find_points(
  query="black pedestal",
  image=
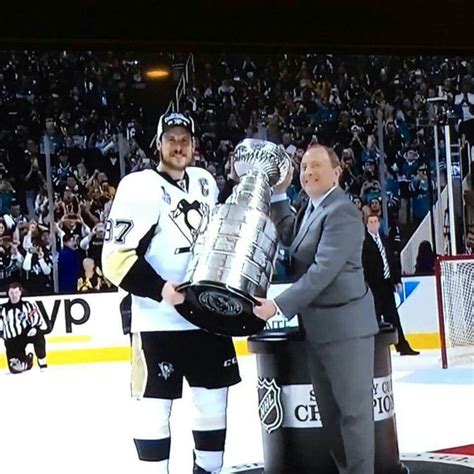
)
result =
(293, 439)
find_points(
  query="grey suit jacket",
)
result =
(329, 291)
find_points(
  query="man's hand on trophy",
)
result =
(171, 295)
(285, 184)
(265, 310)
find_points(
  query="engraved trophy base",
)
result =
(217, 308)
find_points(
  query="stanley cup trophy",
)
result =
(233, 258)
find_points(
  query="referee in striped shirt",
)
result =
(21, 323)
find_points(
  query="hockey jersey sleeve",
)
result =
(35, 318)
(129, 229)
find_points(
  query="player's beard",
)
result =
(176, 163)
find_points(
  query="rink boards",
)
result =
(87, 327)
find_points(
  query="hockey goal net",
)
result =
(455, 290)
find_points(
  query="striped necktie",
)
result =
(386, 268)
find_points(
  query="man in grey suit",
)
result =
(335, 306)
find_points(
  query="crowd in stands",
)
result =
(296, 100)
(82, 102)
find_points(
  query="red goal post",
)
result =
(455, 295)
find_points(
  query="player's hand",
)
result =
(170, 295)
(32, 332)
(285, 184)
(266, 310)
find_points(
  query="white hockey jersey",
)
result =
(149, 234)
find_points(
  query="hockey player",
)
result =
(152, 225)
(21, 323)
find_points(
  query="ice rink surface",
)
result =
(74, 419)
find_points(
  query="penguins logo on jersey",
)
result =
(191, 219)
